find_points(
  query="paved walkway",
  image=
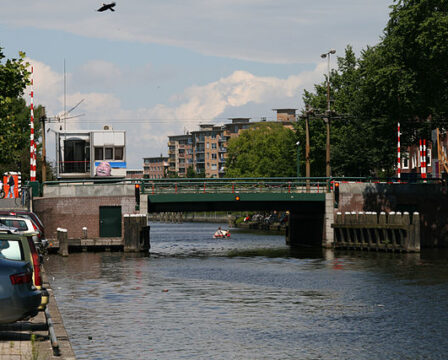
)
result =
(29, 340)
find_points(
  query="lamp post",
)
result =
(298, 158)
(327, 120)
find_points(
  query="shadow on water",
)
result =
(284, 252)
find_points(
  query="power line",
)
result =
(152, 121)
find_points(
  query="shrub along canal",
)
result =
(249, 297)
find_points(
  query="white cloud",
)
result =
(148, 128)
(281, 31)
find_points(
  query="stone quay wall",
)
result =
(429, 200)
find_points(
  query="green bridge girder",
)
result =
(234, 201)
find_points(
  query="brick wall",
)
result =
(74, 213)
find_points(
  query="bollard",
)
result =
(63, 241)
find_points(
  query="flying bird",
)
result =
(107, 7)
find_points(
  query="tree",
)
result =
(264, 150)
(402, 79)
(351, 153)
(13, 80)
(15, 118)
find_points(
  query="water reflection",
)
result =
(251, 297)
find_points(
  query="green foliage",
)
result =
(193, 174)
(15, 118)
(264, 150)
(404, 78)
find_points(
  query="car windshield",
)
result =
(18, 224)
(11, 249)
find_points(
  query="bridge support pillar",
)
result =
(328, 236)
(305, 229)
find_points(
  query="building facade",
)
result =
(155, 167)
(431, 159)
(205, 150)
(91, 153)
(180, 154)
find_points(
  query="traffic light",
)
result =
(137, 196)
(336, 194)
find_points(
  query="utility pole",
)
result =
(43, 118)
(306, 117)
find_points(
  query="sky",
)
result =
(157, 68)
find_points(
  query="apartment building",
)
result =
(206, 145)
(155, 167)
(180, 154)
(206, 148)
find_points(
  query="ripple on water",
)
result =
(194, 302)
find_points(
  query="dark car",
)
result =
(19, 299)
(21, 247)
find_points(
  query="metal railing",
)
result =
(231, 185)
(234, 185)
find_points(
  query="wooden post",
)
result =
(63, 241)
(136, 233)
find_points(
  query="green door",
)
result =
(110, 221)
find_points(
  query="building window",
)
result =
(414, 161)
(119, 153)
(405, 161)
(214, 156)
(428, 157)
(109, 153)
(214, 146)
(99, 153)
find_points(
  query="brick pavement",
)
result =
(29, 340)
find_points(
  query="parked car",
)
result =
(20, 247)
(24, 226)
(19, 299)
(8, 228)
(28, 214)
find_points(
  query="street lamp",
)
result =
(323, 56)
(298, 158)
(327, 121)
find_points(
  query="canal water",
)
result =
(249, 297)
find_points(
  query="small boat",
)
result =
(221, 234)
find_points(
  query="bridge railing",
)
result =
(237, 185)
(228, 185)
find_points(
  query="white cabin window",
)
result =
(99, 153)
(109, 153)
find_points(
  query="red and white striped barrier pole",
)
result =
(424, 161)
(398, 155)
(32, 143)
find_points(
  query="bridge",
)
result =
(312, 203)
(234, 194)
